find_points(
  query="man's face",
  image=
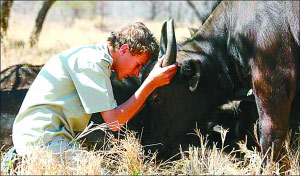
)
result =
(128, 65)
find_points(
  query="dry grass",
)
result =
(125, 156)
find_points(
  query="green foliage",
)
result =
(136, 169)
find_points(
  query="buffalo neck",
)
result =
(209, 44)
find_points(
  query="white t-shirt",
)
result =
(69, 88)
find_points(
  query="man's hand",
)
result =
(159, 75)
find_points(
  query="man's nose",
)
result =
(136, 72)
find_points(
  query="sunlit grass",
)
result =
(126, 156)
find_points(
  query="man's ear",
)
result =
(123, 49)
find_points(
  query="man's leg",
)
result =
(62, 148)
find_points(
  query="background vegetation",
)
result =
(68, 24)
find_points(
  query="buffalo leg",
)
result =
(273, 96)
(272, 135)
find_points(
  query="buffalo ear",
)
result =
(190, 71)
(193, 82)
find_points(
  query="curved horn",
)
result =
(163, 40)
(171, 52)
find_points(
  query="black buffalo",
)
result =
(241, 46)
(15, 82)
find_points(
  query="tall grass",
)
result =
(126, 156)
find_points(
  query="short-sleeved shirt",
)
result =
(69, 88)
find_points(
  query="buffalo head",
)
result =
(177, 108)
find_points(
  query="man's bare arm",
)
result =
(124, 112)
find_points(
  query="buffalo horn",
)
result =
(171, 45)
(163, 40)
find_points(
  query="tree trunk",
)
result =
(153, 6)
(102, 15)
(40, 21)
(5, 11)
(179, 7)
(195, 11)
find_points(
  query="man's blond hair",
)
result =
(138, 37)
